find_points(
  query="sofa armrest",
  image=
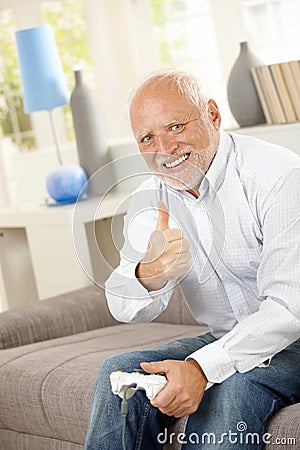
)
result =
(63, 315)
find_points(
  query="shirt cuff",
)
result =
(167, 290)
(215, 363)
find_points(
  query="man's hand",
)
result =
(184, 391)
(168, 256)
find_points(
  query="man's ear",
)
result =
(214, 113)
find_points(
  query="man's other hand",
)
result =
(184, 391)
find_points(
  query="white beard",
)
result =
(191, 176)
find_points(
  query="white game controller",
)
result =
(151, 383)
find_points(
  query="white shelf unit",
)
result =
(287, 135)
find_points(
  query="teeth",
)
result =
(177, 161)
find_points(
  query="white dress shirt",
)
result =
(244, 232)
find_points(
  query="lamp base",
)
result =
(66, 183)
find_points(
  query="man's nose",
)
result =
(166, 144)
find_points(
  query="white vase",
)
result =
(91, 147)
(241, 93)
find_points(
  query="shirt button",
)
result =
(223, 277)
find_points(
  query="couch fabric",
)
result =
(49, 359)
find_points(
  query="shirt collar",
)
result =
(216, 173)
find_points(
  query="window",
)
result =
(273, 28)
(189, 35)
(186, 37)
(69, 25)
(68, 22)
(14, 123)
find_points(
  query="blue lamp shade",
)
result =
(43, 79)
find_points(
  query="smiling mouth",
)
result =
(177, 161)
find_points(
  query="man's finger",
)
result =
(163, 216)
(153, 367)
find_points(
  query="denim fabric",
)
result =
(232, 415)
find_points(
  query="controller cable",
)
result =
(124, 412)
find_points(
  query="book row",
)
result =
(278, 89)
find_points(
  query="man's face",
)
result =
(177, 142)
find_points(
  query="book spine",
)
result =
(295, 69)
(291, 74)
(261, 94)
(272, 94)
(283, 93)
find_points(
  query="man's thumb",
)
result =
(163, 216)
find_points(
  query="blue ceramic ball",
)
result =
(66, 183)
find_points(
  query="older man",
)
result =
(228, 230)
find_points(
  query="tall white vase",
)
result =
(91, 147)
(241, 93)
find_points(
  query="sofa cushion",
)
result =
(12, 440)
(46, 387)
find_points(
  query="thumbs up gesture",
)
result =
(168, 256)
(163, 217)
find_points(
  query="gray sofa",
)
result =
(49, 359)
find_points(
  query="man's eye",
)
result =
(177, 127)
(147, 139)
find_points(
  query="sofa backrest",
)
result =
(74, 312)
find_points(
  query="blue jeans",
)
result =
(231, 415)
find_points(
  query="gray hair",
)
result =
(186, 83)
